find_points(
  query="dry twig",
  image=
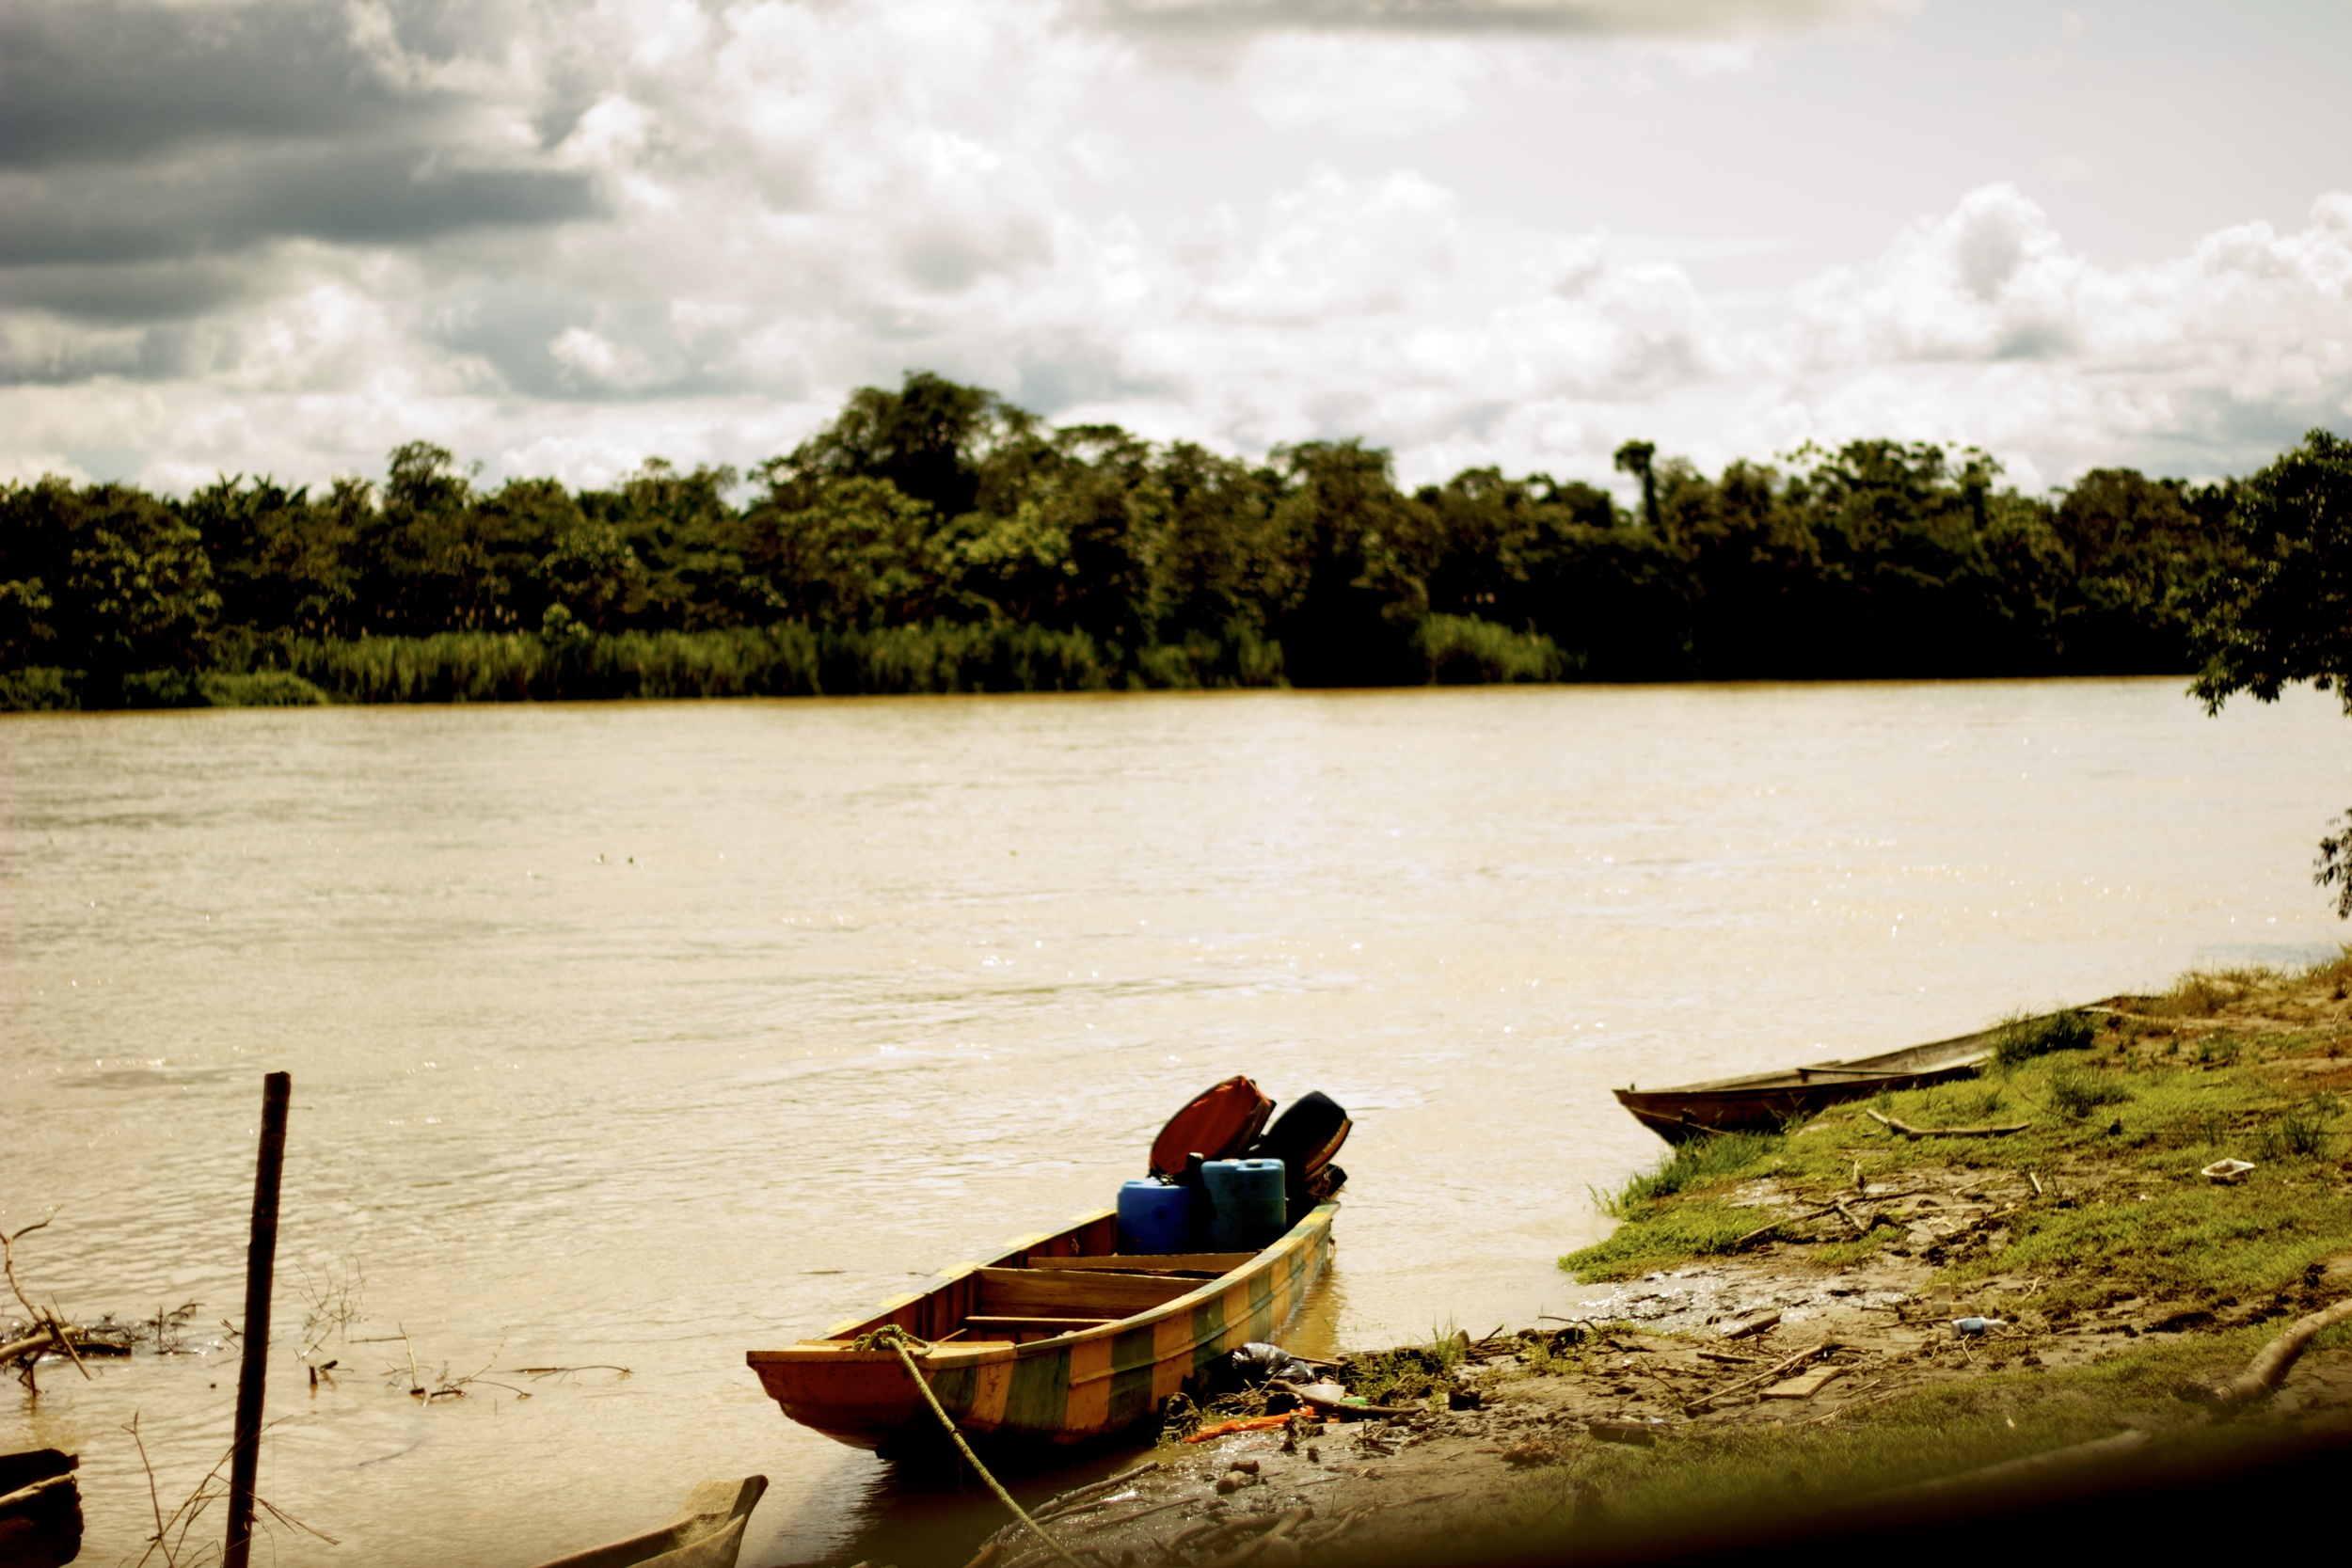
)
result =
(43, 1317)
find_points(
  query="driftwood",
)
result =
(44, 1319)
(1082, 1497)
(1754, 1326)
(1639, 1434)
(1908, 1130)
(1112, 1521)
(1779, 1369)
(1854, 1401)
(1282, 1525)
(2269, 1367)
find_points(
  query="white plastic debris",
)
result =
(2227, 1170)
(1978, 1325)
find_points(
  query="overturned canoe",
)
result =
(707, 1532)
(1766, 1101)
(1060, 1339)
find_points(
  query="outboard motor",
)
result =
(1305, 1138)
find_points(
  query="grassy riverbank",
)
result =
(2116, 1115)
(1769, 1330)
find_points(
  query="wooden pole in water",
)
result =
(261, 1260)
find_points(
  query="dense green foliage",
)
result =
(2280, 610)
(936, 538)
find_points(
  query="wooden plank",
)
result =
(1206, 1263)
(1804, 1386)
(1077, 1292)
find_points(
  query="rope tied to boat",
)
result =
(891, 1336)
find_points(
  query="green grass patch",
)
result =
(2104, 1128)
(2020, 1040)
(2079, 1094)
(1409, 1374)
(1664, 1239)
(2203, 993)
(1690, 1165)
(2197, 1245)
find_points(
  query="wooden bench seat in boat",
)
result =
(1076, 1293)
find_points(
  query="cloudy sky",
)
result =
(559, 236)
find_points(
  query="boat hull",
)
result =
(1679, 1115)
(1063, 1389)
(1768, 1102)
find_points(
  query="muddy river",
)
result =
(644, 1036)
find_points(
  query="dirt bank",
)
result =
(1773, 1317)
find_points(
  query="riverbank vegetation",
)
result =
(936, 538)
(2112, 1116)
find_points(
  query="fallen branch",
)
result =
(1778, 1370)
(1078, 1497)
(1814, 1213)
(1112, 1521)
(553, 1371)
(1908, 1130)
(39, 1338)
(1850, 1405)
(1284, 1522)
(44, 1319)
(2269, 1367)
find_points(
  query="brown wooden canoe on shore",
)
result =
(1058, 1338)
(707, 1532)
(1766, 1101)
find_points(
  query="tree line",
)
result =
(936, 537)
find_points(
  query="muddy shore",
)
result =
(2116, 1283)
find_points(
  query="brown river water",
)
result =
(648, 1034)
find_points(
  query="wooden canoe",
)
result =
(1058, 1338)
(1766, 1101)
(40, 1509)
(707, 1533)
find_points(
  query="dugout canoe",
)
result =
(1766, 1101)
(707, 1532)
(1058, 1338)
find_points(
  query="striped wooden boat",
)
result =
(1060, 1339)
(1766, 1101)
